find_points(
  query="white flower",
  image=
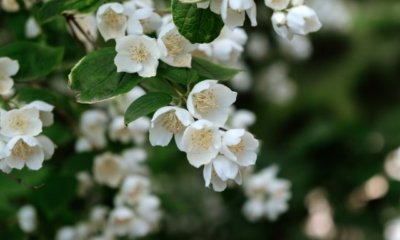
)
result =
(107, 169)
(277, 4)
(135, 130)
(219, 171)
(168, 122)
(240, 146)
(85, 183)
(47, 145)
(268, 195)
(3, 154)
(93, 127)
(176, 49)
(8, 68)
(134, 188)
(120, 104)
(303, 20)
(299, 47)
(32, 28)
(87, 22)
(27, 218)
(17, 122)
(148, 215)
(97, 217)
(133, 161)
(233, 12)
(111, 21)
(45, 111)
(201, 141)
(121, 220)
(228, 47)
(141, 21)
(66, 233)
(392, 229)
(83, 145)
(149, 209)
(242, 119)
(25, 150)
(279, 20)
(297, 2)
(210, 100)
(137, 54)
(10, 5)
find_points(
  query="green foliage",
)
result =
(211, 70)
(54, 8)
(146, 104)
(196, 24)
(95, 77)
(35, 60)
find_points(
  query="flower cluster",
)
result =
(293, 17)
(137, 52)
(110, 115)
(267, 195)
(200, 132)
(290, 16)
(21, 142)
(136, 211)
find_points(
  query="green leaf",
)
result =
(54, 8)
(95, 77)
(196, 24)
(35, 60)
(212, 70)
(177, 75)
(50, 10)
(146, 104)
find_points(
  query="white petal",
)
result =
(159, 136)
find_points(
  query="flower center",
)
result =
(171, 122)
(22, 150)
(19, 123)
(205, 101)
(112, 18)
(174, 43)
(122, 220)
(109, 167)
(202, 138)
(238, 147)
(138, 53)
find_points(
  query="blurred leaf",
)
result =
(52, 9)
(212, 70)
(56, 194)
(177, 75)
(95, 77)
(146, 104)
(196, 24)
(35, 60)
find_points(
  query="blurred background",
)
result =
(327, 112)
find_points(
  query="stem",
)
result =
(21, 182)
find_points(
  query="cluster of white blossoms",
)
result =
(267, 195)
(110, 115)
(293, 17)
(136, 211)
(290, 16)
(128, 24)
(20, 141)
(200, 131)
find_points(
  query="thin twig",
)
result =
(22, 183)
